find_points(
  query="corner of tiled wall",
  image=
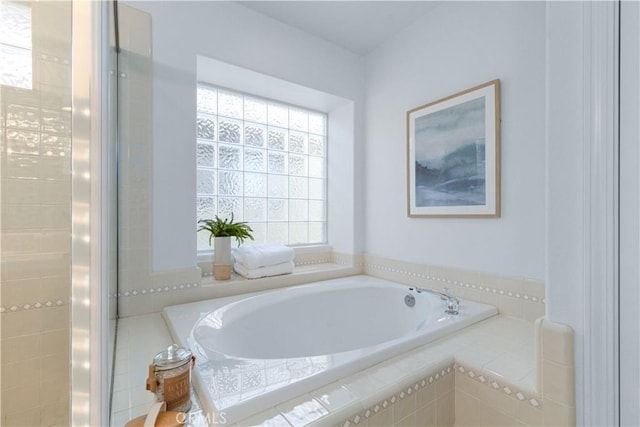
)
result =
(538, 348)
(480, 405)
(354, 261)
(523, 298)
(557, 374)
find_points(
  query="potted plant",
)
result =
(222, 230)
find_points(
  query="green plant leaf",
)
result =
(226, 228)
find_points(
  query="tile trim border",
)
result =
(500, 386)
(158, 289)
(14, 308)
(315, 261)
(460, 284)
(396, 397)
(493, 383)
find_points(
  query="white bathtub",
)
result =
(257, 350)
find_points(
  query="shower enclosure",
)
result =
(57, 219)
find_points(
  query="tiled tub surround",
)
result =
(519, 298)
(513, 296)
(489, 379)
(480, 402)
(252, 355)
(556, 364)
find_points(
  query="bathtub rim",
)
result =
(237, 308)
(305, 385)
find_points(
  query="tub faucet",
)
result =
(451, 303)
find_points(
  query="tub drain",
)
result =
(410, 300)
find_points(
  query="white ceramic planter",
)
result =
(222, 258)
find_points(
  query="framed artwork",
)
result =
(453, 155)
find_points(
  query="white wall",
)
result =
(582, 197)
(457, 46)
(232, 33)
(565, 268)
(629, 213)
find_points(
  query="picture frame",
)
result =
(453, 155)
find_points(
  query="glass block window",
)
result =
(264, 162)
(16, 63)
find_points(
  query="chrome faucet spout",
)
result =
(452, 304)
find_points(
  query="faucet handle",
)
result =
(452, 303)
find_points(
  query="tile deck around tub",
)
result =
(498, 353)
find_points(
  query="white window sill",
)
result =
(303, 253)
(303, 274)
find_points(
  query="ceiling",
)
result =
(359, 26)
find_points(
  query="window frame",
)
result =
(30, 50)
(204, 254)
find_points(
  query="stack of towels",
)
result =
(257, 261)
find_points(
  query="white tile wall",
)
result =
(36, 207)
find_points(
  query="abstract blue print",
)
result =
(450, 156)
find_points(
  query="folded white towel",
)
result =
(271, 270)
(255, 256)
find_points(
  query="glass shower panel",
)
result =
(112, 186)
(35, 216)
